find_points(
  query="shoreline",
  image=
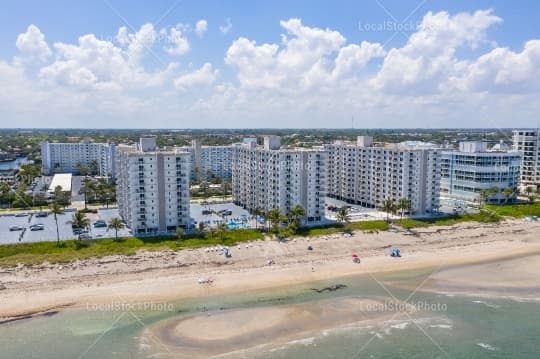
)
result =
(167, 275)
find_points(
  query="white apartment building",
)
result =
(210, 161)
(153, 188)
(65, 157)
(527, 142)
(470, 170)
(269, 176)
(364, 174)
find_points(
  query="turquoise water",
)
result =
(452, 327)
(12, 165)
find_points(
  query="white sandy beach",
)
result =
(168, 275)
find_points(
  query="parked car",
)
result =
(100, 224)
(21, 215)
(41, 214)
(85, 236)
(15, 228)
(37, 227)
(79, 231)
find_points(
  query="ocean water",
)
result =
(456, 327)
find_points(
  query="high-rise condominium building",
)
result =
(67, 157)
(270, 176)
(210, 161)
(365, 174)
(153, 188)
(466, 173)
(527, 142)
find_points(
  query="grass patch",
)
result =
(516, 210)
(338, 228)
(35, 253)
(482, 217)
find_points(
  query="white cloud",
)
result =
(308, 56)
(32, 46)
(310, 77)
(96, 64)
(503, 70)
(140, 43)
(227, 27)
(137, 44)
(200, 27)
(428, 57)
(206, 75)
(180, 44)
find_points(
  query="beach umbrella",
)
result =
(354, 255)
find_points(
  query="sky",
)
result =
(269, 64)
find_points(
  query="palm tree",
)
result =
(295, 215)
(529, 191)
(179, 232)
(507, 193)
(275, 217)
(56, 210)
(404, 205)
(484, 195)
(387, 206)
(87, 189)
(116, 224)
(204, 187)
(342, 215)
(201, 228)
(83, 170)
(94, 168)
(221, 229)
(225, 188)
(257, 213)
(80, 221)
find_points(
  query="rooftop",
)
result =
(63, 180)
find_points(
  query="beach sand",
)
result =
(167, 275)
(213, 333)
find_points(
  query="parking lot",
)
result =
(356, 212)
(49, 231)
(238, 214)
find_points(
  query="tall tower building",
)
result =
(364, 174)
(153, 188)
(527, 142)
(270, 176)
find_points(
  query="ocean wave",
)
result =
(441, 326)
(403, 325)
(305, 341)
(487, 347)
(487, 304)
(345, 329)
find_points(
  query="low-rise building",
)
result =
(61, 180)
(472, 172)
(153, 188)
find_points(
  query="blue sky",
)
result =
(458, 72)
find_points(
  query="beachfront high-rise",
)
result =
(473, 169)
(271, 176)
(210, 161)
(153, 187)
(527, 142)
(365, 174)
(67, 157)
